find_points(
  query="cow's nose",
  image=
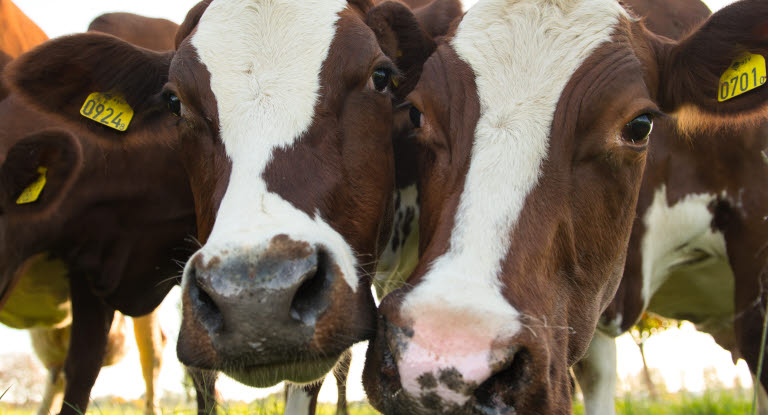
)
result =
(249, 301)
(448, 369)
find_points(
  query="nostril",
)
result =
(205, 307)
(313, 296)
(499, 390)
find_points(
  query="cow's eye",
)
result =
(637, 131)
(381, 79)
(174, 103)
(417, 118)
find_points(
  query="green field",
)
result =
(710, 403)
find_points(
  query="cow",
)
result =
(50, 317)
(254, 89)
(40, 303)
(51, 345)
(18, 33)
(695, 250)
(100, 203)
(534, 120)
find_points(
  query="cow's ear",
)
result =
(38, 172)
(191, 21)
(58, 76)
(732, 44)
(403, 39)
(439, 16)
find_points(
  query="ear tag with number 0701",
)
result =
(108, 109)
(32, 192)
(747, 72)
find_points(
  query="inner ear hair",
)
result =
(690, 119)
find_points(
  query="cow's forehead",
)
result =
(265, 57)
(523, 54)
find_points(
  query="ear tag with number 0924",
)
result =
(747, 72)
(108, 109)
(32, 192)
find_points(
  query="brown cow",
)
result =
(151, 33)
(280, 288)
(696, 249)
(102, 204)
(534, 120)
(18, 34)
(51, 343)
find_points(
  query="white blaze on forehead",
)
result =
(265, 58)
(523, 53)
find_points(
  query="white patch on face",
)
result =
(676, 236)
(523, 53)
(265, 58)
(298, 401)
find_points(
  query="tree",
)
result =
(649, 325)
(23, 375)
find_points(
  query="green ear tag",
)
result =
(747, 72)
(32, 192)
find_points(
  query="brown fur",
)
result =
(727, 158)
(150, 33)
(351, 188)
(117, 216)
(566, 255)
(18, 33)
(347, 174)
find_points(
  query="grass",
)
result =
(710, 403)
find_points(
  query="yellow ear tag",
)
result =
(396, 82)
(32, 192)
(109, 109)
(746, 73)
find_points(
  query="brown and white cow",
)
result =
(102, 205)
(697, 248)
(534, 118)
(284, 110)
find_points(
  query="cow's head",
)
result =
(57, 177)
(284, 111)
(535, 119)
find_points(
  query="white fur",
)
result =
(596, 374)
(297, 402)
(676, 235)
(265, 57)
(523, 53)
(685, 273)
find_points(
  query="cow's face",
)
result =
(285, 116)
(536, 115)
(284, 112)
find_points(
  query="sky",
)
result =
(680, 355)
